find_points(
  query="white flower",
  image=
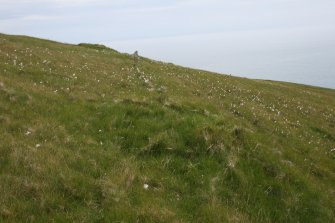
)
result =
(38, 145)
(146, 186)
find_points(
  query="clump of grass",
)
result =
(95, 46)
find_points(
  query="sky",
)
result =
(286, 40)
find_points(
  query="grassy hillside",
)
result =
(88, 135)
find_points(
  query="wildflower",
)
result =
(146, 186)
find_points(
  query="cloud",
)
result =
(18, 2)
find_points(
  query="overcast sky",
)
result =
(288, 40)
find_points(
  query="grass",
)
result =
(84, 129)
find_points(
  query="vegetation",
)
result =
(90, 135)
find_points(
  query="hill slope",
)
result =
(90, 135)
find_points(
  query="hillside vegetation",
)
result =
(90, 135)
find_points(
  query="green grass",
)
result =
(84, 128)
